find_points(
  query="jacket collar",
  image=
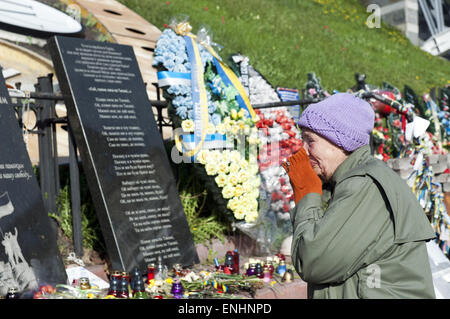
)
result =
(355, 159)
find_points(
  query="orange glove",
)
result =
(301, 175)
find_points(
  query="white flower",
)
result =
(251, 216)
(256, 181)
(225, 156)
(242, 175)
(188, 125)
(255, 194)
(248, 186)
(233, 179)
(221, 180)
(233, 204)
(235, 156)
(253, 139)
(243, 163)
(283, 216)
(234, 167)
(239, 213)
(246, 129)
(228, 191)
(223, 168)
(254, 169)
(234, 129)
(211, 129)
(202, 156)
(221, 129)
(211, 168)
(238, 190)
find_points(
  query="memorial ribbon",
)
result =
(199, 98)
(212, 141)
(229, 78)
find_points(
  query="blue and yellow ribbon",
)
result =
(230, 78)
(199, 97)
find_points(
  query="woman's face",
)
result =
(324, 156)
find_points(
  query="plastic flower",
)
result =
(211, 129)
(214, 156)
(234, 129)
(226, 156)
(243, 175)
(239, 213)
(233, 179)
(243, 163)
(220, 128)
(223, 167)
(233, 204)
(238, 190)
(202, 156)
(182, 112)
(221, 180)
(251, 217)
(234, 114)
(211, 168)
(187, 125)
(228, 191)
(234, 167)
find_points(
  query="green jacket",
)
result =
(370, 240)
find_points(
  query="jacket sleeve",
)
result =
(330, 246)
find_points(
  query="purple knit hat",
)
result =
(342, 118)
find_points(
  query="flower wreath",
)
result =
(213, 119)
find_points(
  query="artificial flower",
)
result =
(188, 125)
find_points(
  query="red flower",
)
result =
(206, 8)
(167, 2)
(268, 122)
(166, 25)
(290, 133)
(325, 27)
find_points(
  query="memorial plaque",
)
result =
(122, 153)
(29, 255)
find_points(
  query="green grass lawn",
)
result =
(286, 39)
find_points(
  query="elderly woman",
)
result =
(363, 234)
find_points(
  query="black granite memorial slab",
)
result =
(123, 155)
(29, 255)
